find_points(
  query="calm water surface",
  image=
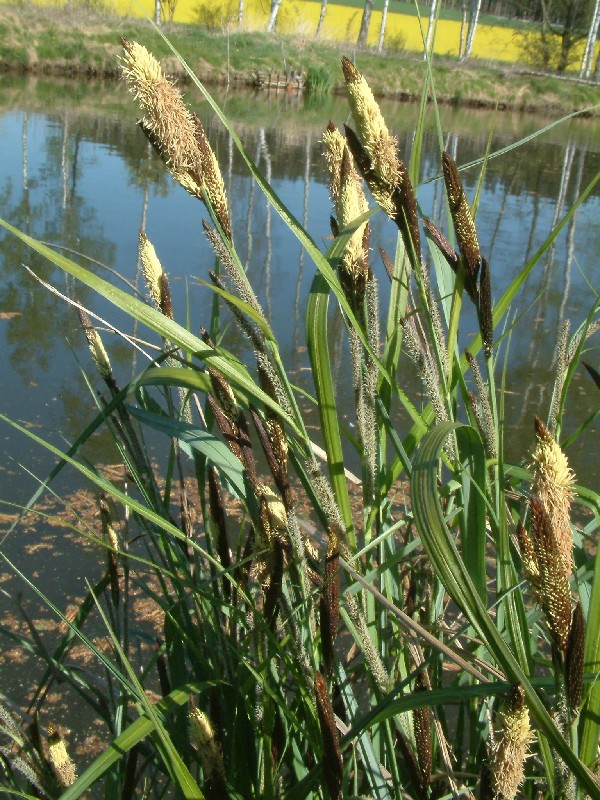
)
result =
(77, 173)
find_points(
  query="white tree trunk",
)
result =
(157, 12)
(473, 20)
(431, 29)
(364, 23)
(321, 17)
(463, 30)
(240, 19)
(275, 4)
(590, 44)
(383, 24)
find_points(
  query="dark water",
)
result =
(75, 171)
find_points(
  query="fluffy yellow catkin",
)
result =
(372, 130)
(167, 118)
(512, 747)
(203, 737)
(152, 268)
(349, 201)
(176, 133)
(552, 488)
(60, 761)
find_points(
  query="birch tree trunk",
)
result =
(474, 10)
(431, 29)
(157, 12)
(384, 23)
(240, 17)
(590, 44)
(321, 17)
(275, 5)
(364, 23)
(463, 29)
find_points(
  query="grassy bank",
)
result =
(84, 45)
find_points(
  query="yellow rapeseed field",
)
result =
(300, 17)
(341, 24)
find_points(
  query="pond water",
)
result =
(77, 173)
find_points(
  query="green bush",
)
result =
(319, 80)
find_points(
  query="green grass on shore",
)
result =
(50, 41)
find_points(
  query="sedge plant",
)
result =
(319, 637)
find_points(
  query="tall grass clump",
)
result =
(319, 80)
(391, 611)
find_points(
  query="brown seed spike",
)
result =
(407, 216)
(166, 305)
(442, 244)
(332, 757)
(575, 651)
(422, 728)
(329, 605)
(387, 263)
(486, 318)
(351, 74)
(466, 234)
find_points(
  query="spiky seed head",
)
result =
(485, 312)
(213, 180)
(372, 130)
(554, 594)
(174, 132)
(224, 394)
(512, 746)
(528, 556)
(575, 659)
(107, 527)
(329, 605)
(167, 117)
(97, 350)
(553, 488)
(151, 268)
(464, 225)
(335, 145)
(332, 757)
(422, 730)
(350, 202)
(382, 191)
(60, 761)
(203, 737)
(272, 531)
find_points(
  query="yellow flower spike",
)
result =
(177, 134)
(512, 748)
(152, 268)
(350, 202)
(552, 487)
(554, 594)
(372, 130)
(167, 118)
(97, 350)
(203, 737)
(60, 761)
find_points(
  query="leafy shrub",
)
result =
(319, 79)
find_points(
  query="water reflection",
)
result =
(83, 177)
